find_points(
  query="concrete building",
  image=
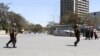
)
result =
(79, 7)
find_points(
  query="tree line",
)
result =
(7, 18)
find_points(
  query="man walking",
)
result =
(77, 35)
(87, 33)
(13, 34)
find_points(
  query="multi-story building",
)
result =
(79, 7)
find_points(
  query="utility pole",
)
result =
(53, 17)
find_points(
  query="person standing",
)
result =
(95, 34)
(77, 34)
(87, 33)
(91, 33)
(13, 34)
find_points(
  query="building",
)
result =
(95, 14)
(96, 17)
(79, 7)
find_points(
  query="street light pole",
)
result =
(95, 23)
(53, 18)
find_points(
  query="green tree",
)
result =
(38, 28)
(69, 19)
(31, 27)
(88, 20)
(18, 19)
(8, 18)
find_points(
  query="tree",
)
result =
(89, 20)
(69, 19)
(35, 28)
(64, 20)
(3, 9)
(18, 19)
(7, 18)
(38, 28)
(31, 27)
(45, 29)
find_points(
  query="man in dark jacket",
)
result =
(87, 34)
(77, 34)
(13, 33)
(91, 33)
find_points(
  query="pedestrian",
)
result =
(95, 34)
(13, 34)
(91, 33)
(87, 34)
(77, 34)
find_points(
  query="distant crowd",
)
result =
(90, 33)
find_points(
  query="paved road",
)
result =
(47, 45)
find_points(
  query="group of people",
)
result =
(89, 33)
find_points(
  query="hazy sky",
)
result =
(42, 11)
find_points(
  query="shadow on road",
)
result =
(70, 45)
(7, 47)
